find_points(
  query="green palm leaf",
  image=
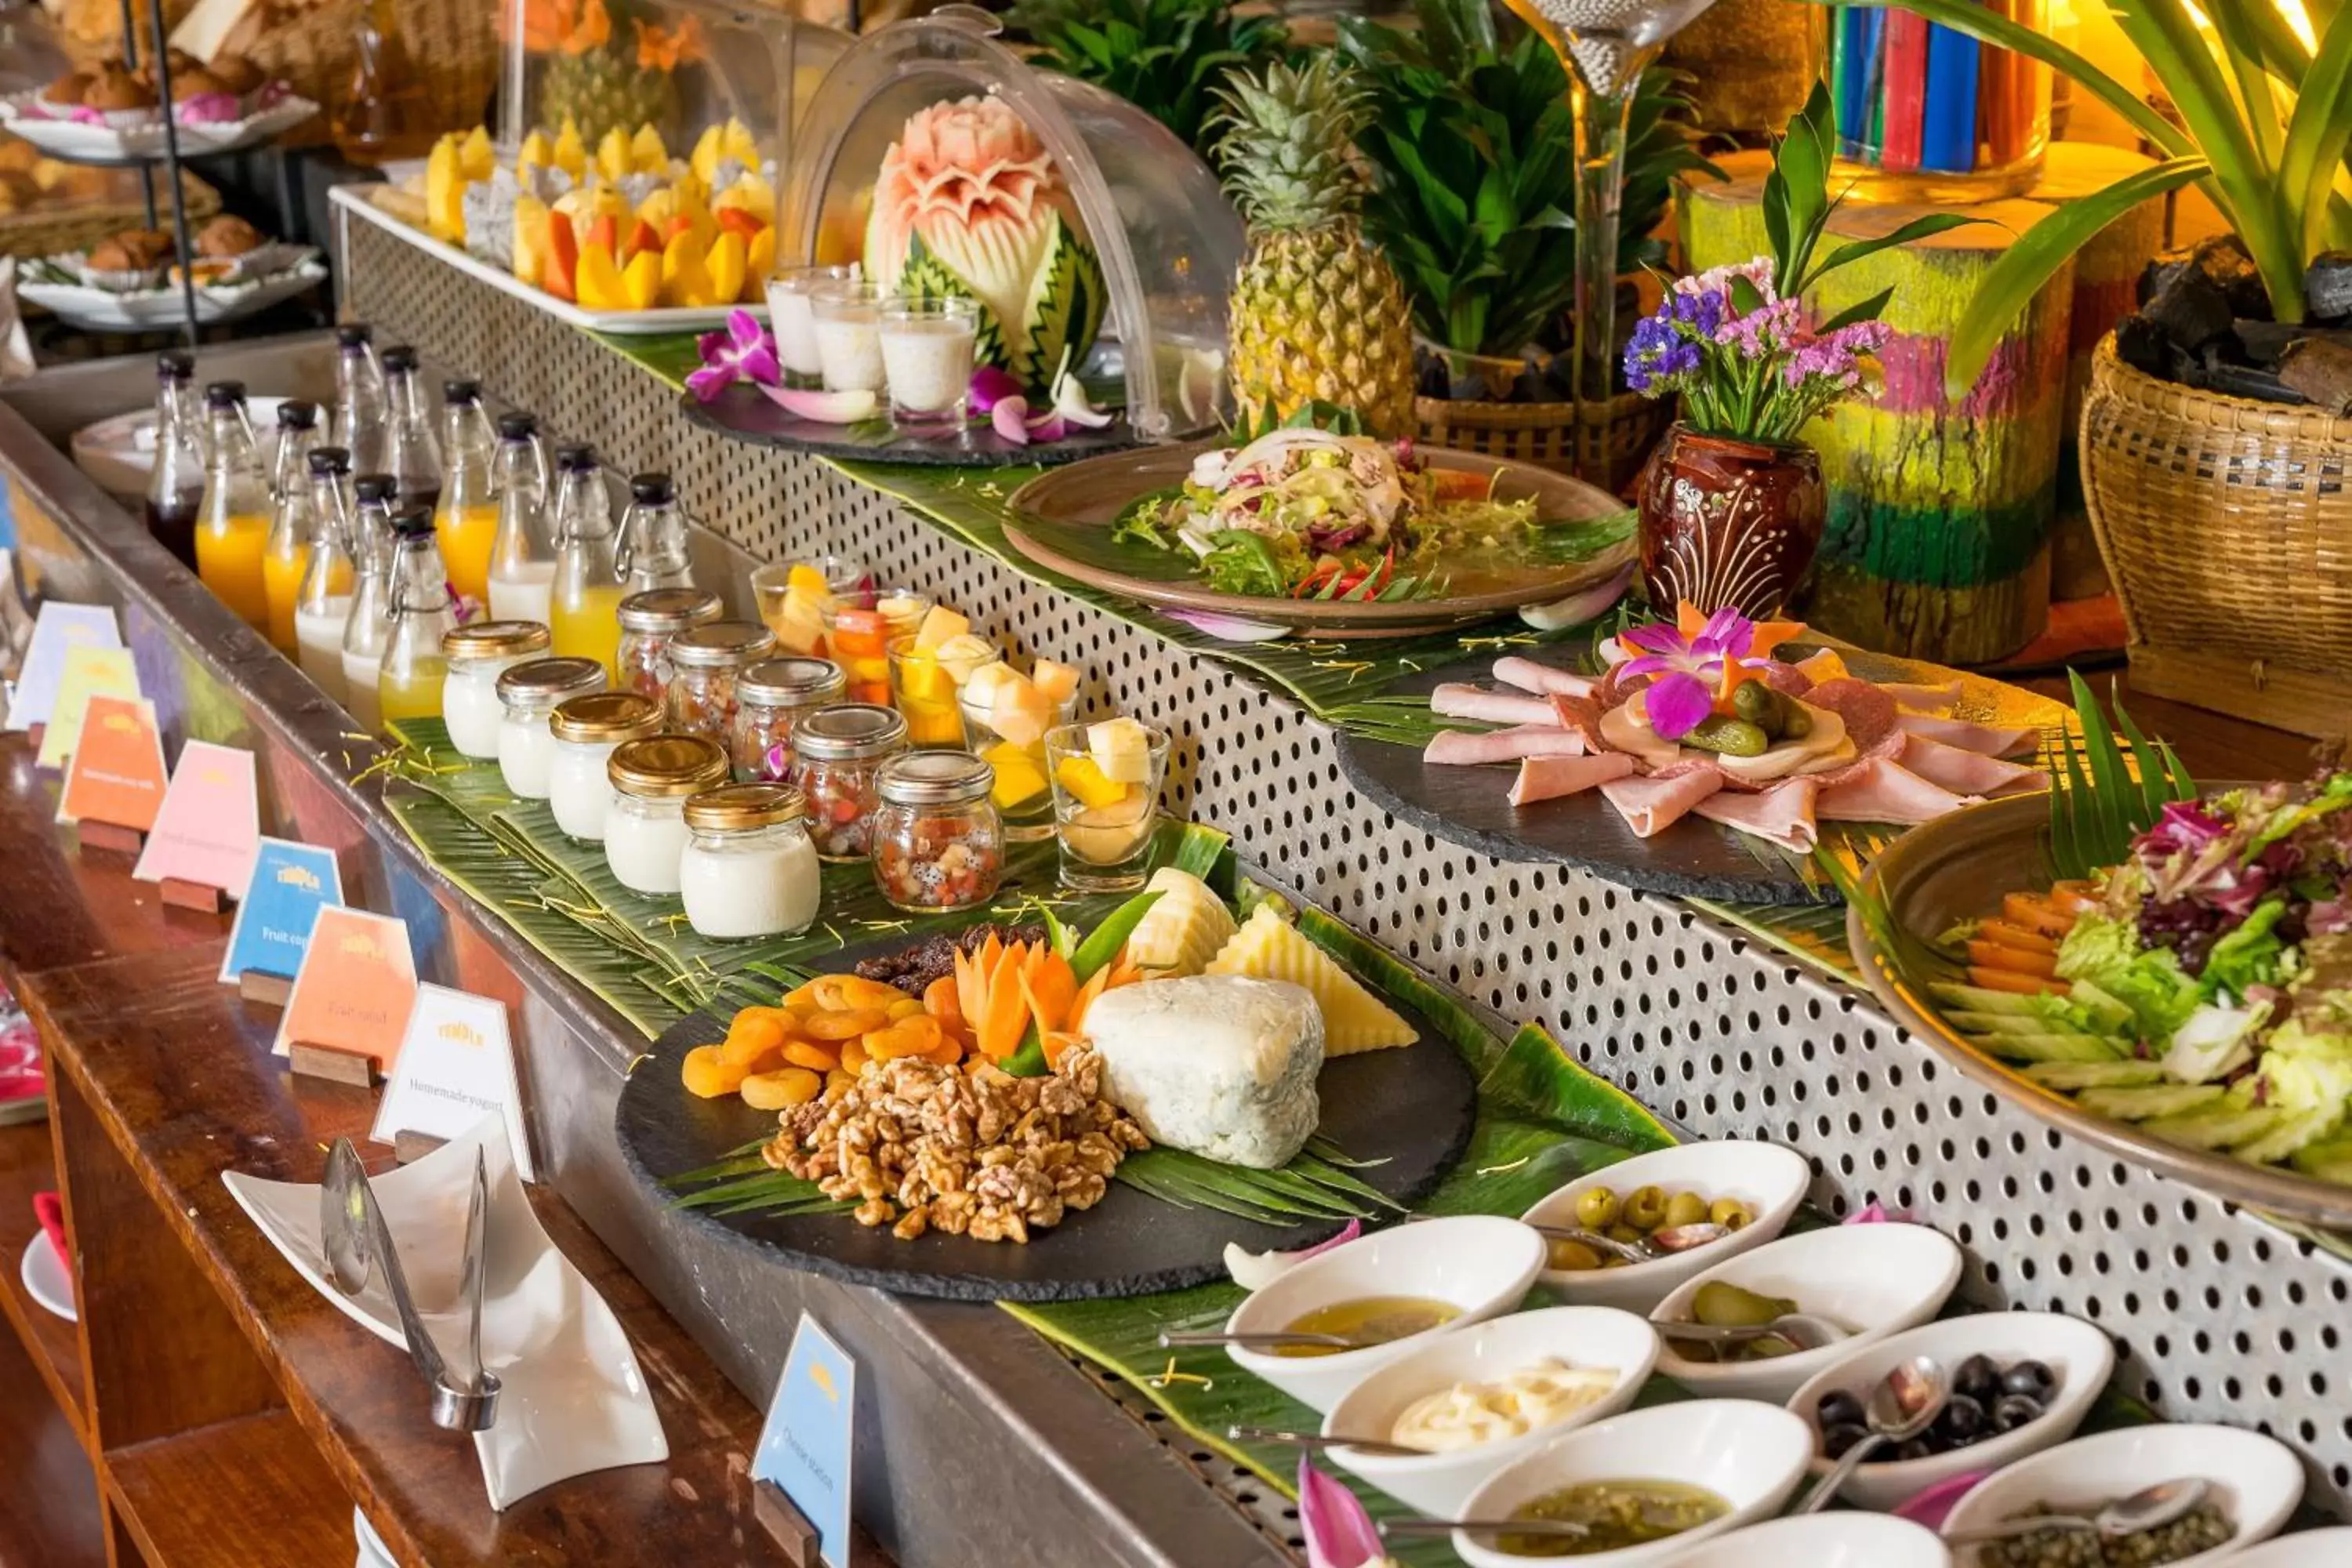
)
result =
(2104, 795)
(2316, 136)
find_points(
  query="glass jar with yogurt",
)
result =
(648, 621)
(644, 820)
(529, 693)
(847, 319)
(938, 842)
(749, 869)
(584, 731)
(478, 654)
(771, 696)
(790, 293)
(705, 661)
(836, 753)
(928, 346)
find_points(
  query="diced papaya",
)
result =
(562, 260)
(785, 1088)
(2011, 980)
(709, 1075)
(604, 229)
(643, 236)
(2017, 936)
(2016, 960)
(736, 220)
(2035, 915)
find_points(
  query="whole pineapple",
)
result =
(1317, 313)
(601, 89)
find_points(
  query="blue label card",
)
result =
(456, 1067)
(59, 628)
(290, 884)
(805, 1446)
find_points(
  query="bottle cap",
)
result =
(653, 489)
(934, 778)
(600, 716)
(296, 414)
(224, 394)
(177, 365)
(517, 425)
(374, 486)
(663, 611)
(720, 643)
(496, 639)
(667, 766)
(461, 389)
(354, 334)
(576, 455)
(325, 460)
(400, 357)
(417, 522)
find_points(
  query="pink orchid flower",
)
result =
(1339, 1534)
(1686, 672)
(741, 351)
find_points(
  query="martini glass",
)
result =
(1606, 45)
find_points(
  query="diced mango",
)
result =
(612, 155)
(685, 278)
(1083, 779)
(536, 151)
(570, 154)
(641, 280)
(939, 624)
(599, 278)
(1019, 779)
(647, 156)
(476, 155)
(730, 265)
(761, 261)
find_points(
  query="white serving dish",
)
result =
(1822, 1540)
(372, 1551)
(2257, 1480)
(1481, 1263)
(574, 1399)
(353, 201)
(1750, 1454)
(1770, 1179)
(145, 310)
(2079, 1354)
(1877, 1279)
(77, 141)
(118, 453)
(45, 1277)
(1598, 1337)
(2305, 1549)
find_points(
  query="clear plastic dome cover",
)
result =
(943, 163)
(680, 66)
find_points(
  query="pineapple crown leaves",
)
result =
(1162, 56)
(1313, 414)
(1473, 193)
(1285, 138)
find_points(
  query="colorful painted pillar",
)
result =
(1937, 544)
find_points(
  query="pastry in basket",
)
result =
(65, 94)
(197, 82)
(113, 91)
(224, 248)
(236, 74)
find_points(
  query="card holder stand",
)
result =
(111, 837)
(202, 897)
(332, 1064)
(787, 1526)
(269, 990)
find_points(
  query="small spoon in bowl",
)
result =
(1169, 1338)
(1568, 1528)
(1905, 1404)
(1649, 1250)
(2150, 1507)
(1802, 1329)
(1317, 1441)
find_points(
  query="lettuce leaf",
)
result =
(2307, 1069)
(2250, 956)
(2106, 952)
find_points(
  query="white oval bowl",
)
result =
(1750, 1454)
(1598, 1337)
(1822, 1541)
(2257, 1480)
(1768, 1178)
(2305, 1549)
(1481, 1263)
(1877, 1279)
(2078, 1353)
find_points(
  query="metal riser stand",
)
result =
(2217, 1317)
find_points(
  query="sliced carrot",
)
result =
(1055, 1043)
(1689, 619)
(1099, 983)
(943, 999)
(2016, 960)
(1004, 1015)
(2011, 980)
(2008, 935)
(2071, 902)
(1052, 986)
(967, 988)
(2025, 910)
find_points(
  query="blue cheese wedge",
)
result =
(1220, 1065)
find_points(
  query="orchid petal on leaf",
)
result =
(1339, 1534)
(991, 384)
(1010, 418)
(741, 351)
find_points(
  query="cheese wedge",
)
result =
(1268, 947)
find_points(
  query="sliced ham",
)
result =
(1652, 805)
(1923, 699)
(1458, 700)
(1468, 748)
(1782, 814)
(1983, 739)
(1967, 773)
(1880, 790)
(1547, 778)
(1543, 679)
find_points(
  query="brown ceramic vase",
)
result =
(1728, 523)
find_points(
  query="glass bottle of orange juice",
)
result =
(468, 522)
(415, 668)
(291, 519)
(232, 531)
(584, 602)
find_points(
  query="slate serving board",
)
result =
(1411, 1109)
(1695, 858)
(746, 414)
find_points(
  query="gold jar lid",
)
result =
(735, 808)
(849, 731)
(792, 681)
(537, 682)
(667, 767)
(718, 643)
(602, 716)
(669, 610)
(495, 639)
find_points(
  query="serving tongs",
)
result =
(357, 1243)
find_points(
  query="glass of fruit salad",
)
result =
(1006, 716)
(794, 597)
(859, 627)
(1106, 780)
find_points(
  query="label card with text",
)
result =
(117, 774)
(58, 629)
(290, 884)
(457, 1065)
(209, 830)
(357, 985)
(89, 672)
(805, 1445)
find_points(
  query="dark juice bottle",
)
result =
(174, 524)
(175, 485)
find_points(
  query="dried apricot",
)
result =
(906, 1008)
(754, 1040)
(846, 1023)
(917, 1036)
(785, 1086)
(709, 1074)
(942, 1002)
(809, 1054)
(853, 1057)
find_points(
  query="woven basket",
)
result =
(1606, 445)
(2227, 526)
(51, 231)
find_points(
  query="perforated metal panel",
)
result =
(2217, 1317)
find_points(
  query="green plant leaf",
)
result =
(1860, 310)
(2011, 283)
(1854, 250)
(2316, 135)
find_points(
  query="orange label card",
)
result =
(209, 831)
(356, 989)
(117, 775)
